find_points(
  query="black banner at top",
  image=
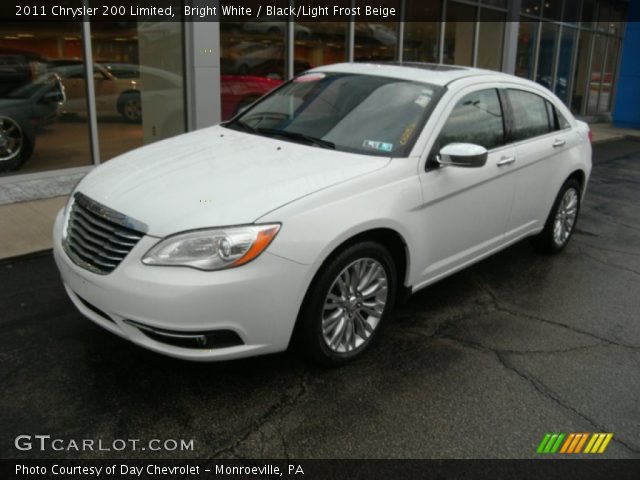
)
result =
(281, 10)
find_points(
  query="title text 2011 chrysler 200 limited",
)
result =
(304, 218)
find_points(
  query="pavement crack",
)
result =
(605, 249)
(502, 308)
(285, 402)
(541, 388)
(607, 218)
(607, 264)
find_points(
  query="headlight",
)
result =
(212, 249)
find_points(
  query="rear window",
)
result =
(531, 116)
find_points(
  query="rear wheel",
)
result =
(347, 304)
(15, 148)
(131, 107)
(562, 219)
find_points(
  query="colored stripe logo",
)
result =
(571, 443)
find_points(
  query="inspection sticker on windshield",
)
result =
(380, 146)
(424, 98)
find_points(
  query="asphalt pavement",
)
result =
(480, 365)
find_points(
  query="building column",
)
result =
(510, 45)
(202, 70)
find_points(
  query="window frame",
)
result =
(552, 123)
(431, 163)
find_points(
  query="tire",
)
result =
(335, 325)
(562, 219)
(15, 146)
(131, 107)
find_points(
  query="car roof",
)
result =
(433, 73)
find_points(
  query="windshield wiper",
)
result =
(242, 126)
(297, 136)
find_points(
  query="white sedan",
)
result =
(303, 220)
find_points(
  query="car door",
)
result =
(541, 136)
(75, 88)
(106, 92)
(465, 210)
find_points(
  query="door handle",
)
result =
(559, 142)
(505, 161)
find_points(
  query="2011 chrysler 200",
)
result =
(304, 218)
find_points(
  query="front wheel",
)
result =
(15, 147)
(347, 304)
(562, 219)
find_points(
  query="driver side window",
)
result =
(477, 118)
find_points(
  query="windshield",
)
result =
(350, 112)
(28, 90)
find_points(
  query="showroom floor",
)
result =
(482, 364)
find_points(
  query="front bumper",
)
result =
(259, 301)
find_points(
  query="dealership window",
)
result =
(588, 13)
(565, 62)
(525, 56)
(138, 81)
(38, 130)
(608, 75)
(581, 77)
(577, 59)
(531, 7)
(547, 54)
(253, 61)
(422, 39)
(552, 9)
(595, 80)
(571, 12)
(376, 41)
(490, 39)
(320, 43)
(458, 34)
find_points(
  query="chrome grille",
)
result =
(98, 238)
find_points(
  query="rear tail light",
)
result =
(590, 136)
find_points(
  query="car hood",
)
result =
(11, 103)
(217, 177)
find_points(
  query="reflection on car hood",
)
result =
(216, 177)
(6, 103)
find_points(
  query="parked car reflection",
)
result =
(22, 112)
(114, 96)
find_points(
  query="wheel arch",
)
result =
(579, 175)
(388, 237)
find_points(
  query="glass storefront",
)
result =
(138, 84)
(37, 131)
(137, 77)
(138, 74)
(572, 47)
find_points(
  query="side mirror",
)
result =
(463, 155)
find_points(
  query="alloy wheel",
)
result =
(133, 109)
(354, 305)
(11, 139)
(565, 216)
